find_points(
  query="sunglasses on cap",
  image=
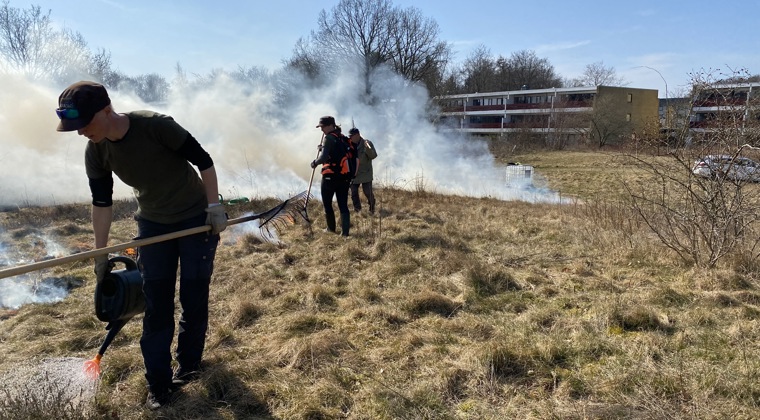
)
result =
(67, 113)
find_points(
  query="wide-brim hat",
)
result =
(326, 120)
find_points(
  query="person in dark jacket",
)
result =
(333, 183)
(154, 155)
(366, 152)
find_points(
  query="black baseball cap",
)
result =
(353, 131)
(79, 103)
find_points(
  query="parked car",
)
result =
(728, 167)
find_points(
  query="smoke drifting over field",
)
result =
(30, 288)
(261, 136)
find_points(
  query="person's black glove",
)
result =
(217, 218)
(313, 164)
(102, 267)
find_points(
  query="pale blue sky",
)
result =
(638, 38)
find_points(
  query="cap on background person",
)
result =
(353, 131)
(78, 103)
(326, 120)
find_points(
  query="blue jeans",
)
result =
(158, 265)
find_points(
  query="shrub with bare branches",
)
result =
(704, 219)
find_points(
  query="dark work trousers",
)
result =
(337, 186)
(158, 266)
(367, 189)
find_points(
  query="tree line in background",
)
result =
(30, 44)
(368, 34)
(372, 34)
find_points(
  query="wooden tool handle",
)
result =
(14, 271)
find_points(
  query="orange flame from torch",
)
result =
(92, 367)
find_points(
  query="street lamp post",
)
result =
(667, 101)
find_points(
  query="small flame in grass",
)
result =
(91, 368)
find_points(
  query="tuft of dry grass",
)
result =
(437, 307)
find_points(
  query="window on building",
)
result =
(630, 97)
(628, 117)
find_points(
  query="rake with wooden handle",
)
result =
(286, 212)
(308, 191)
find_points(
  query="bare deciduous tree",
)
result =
(479, 71)
(304, 59)
(523, 69)
(21, 32)
(531, 71)
(607, 123)
(369, 34)
(150, 87)
(355, 31)
(29, 44)
(568, 128)
(414, 50)
(449, 83)
(100, 66)
(597, 74)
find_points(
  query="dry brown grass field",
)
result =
(437, 307)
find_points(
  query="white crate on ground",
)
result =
(519, 174)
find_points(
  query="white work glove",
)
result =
(102, 267)
(217, 218)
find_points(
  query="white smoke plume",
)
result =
(32, 287)
(261, 136)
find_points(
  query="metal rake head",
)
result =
(286, 213)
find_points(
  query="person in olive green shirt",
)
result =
(366, 152)
(154, 155)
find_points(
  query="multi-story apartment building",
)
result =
(724, 106)
(571, 113)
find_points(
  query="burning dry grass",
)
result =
(438, 307)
